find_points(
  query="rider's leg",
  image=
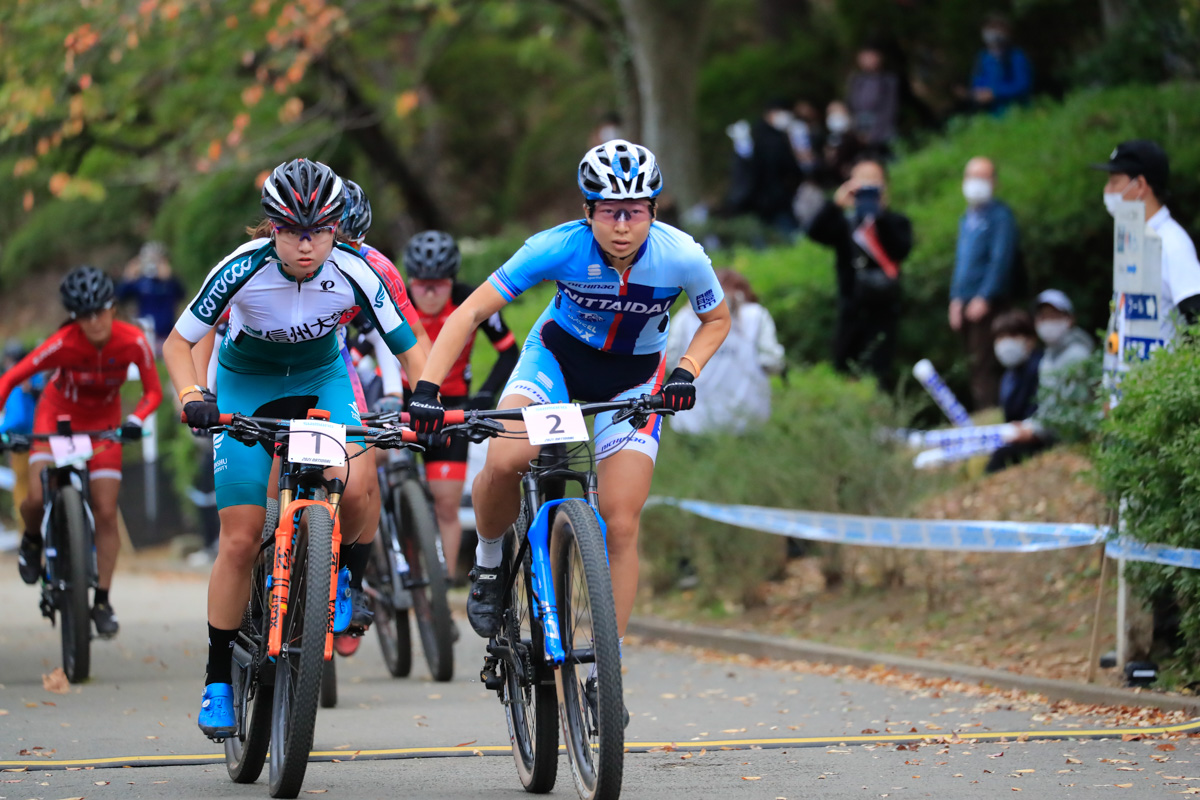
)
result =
(624, 485)
(229, 585)
(31, 505)
(103, 498)
(447, 496)
(496, 493)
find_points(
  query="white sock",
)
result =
(489, 553)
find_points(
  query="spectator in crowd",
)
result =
(734, 390)
(1066, 344)
(873, 97)
(606, 130)
(1002, 76)
(765, 172)
(18, 417)
(841, 147)
(1015, 343)
(149, 281)
(801, 134)
(985, 272)
(1139, 170)
(869, 241)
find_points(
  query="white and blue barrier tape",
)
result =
(932, 534)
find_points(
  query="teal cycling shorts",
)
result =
(241, 472)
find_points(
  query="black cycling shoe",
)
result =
(29, 558)
(106, 620)
(589, 694)
(362, 616)
(485, 603)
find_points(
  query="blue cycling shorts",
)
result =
(556, 368)
(241, 472)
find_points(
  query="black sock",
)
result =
(357, 560)
(220, 655)
(33, 538)
(101, 597)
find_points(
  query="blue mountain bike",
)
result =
(557, 653)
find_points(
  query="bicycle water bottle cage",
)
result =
(317, 413)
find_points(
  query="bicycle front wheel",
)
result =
(427, 579)
(528, 695)
(301, 661)
(73, 553)
(595, 725)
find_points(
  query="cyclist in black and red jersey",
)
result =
(431, 262)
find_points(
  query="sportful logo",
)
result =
(595, 270)
(206, 307)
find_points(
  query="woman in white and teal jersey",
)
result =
(287, 294)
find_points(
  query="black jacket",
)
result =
(832, 228)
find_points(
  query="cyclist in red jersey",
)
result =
(90, 356)
(431, 261)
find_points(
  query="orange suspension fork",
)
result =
(282, 570)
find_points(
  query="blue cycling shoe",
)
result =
(216, 718)
(343, 607)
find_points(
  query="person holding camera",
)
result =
(869, 241)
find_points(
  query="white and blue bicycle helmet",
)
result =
(619, 170)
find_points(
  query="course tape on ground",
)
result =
(468, 751)
(932, 534)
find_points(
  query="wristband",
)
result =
(692, 361)
(194, 388)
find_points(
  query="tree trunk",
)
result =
(666, 37)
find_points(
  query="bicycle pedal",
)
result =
(489, 676)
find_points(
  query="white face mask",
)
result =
(1113, 200)
(837, 123)
(1011, 352)
(779, 120)
(977, 191)
(1052, 331)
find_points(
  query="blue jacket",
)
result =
(986, 254)
(1009, 76)
(18, 410)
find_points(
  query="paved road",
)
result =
(145, 689)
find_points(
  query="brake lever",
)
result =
(477, 429)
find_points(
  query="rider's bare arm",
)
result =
(459, 328)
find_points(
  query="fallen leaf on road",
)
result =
(1024, 771)
(734, 730)
(102, 783)
(151, 737)
(1015, 789)
(31, 705)
(464, 744)
(667, 696)
(3, 712)
(997, 755)
(1073, 760)
(752, 777)
(1164, 747)
(435, 697)
(56, 682)
(1123, 785)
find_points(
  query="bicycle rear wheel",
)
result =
(588, 621)
(383, 583)
(301, 663)
(72, 557)
(427, 578)
(246, 754)
(530, 704)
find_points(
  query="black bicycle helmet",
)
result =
(87, 289)
(304, 194)
(432, 255)
(356, 220)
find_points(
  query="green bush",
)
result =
(1149, 457)
(820, 451)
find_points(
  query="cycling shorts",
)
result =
(555, 367)
(106, 458)
(241, 471)
(448, 463)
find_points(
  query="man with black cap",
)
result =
(1138, 170)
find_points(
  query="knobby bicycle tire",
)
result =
(298, 679)
(73, 556)
(580, 565)
(391, 622)
(431, 609)
(530, 708)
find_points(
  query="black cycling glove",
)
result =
(131, 432)
(679, 393)
(201, 414)
(425, 411)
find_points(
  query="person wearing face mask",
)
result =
(1002, 75)
(870, 241)
(841, 148)
(873, 95)
(1139, 170)
(1016, 348)
(150, 282)
(765, 173)
(986, 275)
